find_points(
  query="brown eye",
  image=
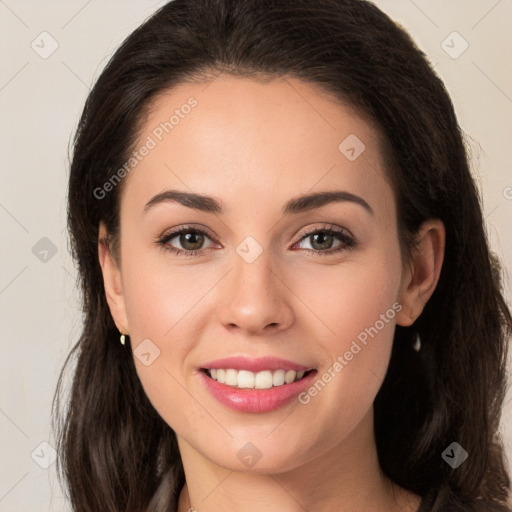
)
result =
(321, 241)
(191, 241)
(328, 240)
(187, 241)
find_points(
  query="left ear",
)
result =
(422, 275)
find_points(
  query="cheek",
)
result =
(349, 298)
(165, 307)
(163, 304)
(162, 295)
(356, 307)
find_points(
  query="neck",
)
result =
(347, 478)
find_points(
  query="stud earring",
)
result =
(123, 338)
(417, 343)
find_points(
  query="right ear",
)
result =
(112, 281)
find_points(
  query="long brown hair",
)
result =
(115, 452)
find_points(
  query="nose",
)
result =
(255, 298)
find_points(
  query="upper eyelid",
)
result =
(185, 229)
(327, 227)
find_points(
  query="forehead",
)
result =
(239, 138)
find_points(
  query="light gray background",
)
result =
(40, 101)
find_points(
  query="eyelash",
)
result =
(348, 240)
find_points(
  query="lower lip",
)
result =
(256, 400)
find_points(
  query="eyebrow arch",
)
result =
(296, 205)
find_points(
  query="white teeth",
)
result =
(231, 377)
(249, 380)
(278, 377)
(263, 380)
(245, 379)
(290, 376)
(221, 376)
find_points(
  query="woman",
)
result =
(289, 298)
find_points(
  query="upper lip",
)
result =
(255, 365)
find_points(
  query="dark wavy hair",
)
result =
(115, 452)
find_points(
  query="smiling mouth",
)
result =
(245, 379)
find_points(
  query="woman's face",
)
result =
(279, 285)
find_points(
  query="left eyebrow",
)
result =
(318, 199)
(296, 205)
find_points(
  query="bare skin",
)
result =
(254, 146)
